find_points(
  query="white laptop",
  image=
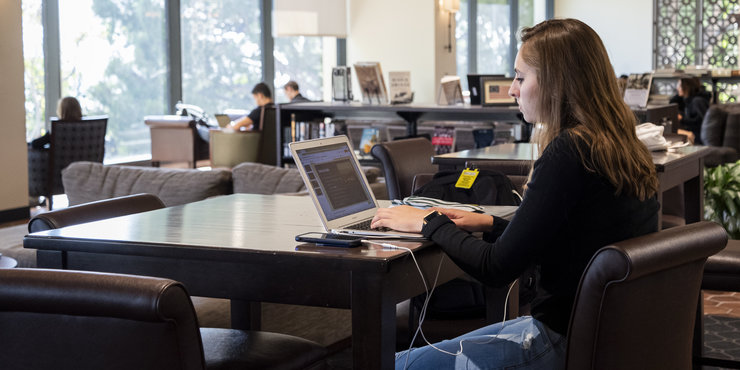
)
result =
(338, 187)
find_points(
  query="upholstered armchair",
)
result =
(71, 141)
(720, 130)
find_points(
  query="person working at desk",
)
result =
(693, 103)
(263, 97)
(593, 184)
(291, 91)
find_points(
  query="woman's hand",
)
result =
(468, 221)
(401, 218)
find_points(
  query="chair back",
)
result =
(54, 319)
(231, 148)
(402, 160)
(94, 211)
(268, 148)
(637, 300)
(74, 141)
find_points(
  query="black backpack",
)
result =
(490, 188)
(462, 298)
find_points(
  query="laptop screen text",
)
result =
(336, 180)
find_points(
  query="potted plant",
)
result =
(722, 197)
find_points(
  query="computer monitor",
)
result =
(474, 86)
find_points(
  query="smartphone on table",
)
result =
(334, 240)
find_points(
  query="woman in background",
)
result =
(594, 184)
(68, 109)
(694, 105)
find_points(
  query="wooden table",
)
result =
(242, 247)
(678, 166)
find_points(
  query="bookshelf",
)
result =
(313, 114)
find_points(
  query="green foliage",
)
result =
(722, 197)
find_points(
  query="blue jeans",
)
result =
(520, 343)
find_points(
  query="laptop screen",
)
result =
(336, 180)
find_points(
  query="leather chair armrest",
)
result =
(93, 211)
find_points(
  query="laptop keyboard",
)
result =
(365, 225)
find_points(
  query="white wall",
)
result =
(13, 157)
(403, 36)
(625, 26)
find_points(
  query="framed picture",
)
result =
(495, 91)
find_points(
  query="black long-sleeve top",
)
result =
(567, 214)
(696, 108)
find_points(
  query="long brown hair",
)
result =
(579, 94)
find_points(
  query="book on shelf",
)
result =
(371, 82)
(341, 83)
(450, 92)
(638, 89)
(370, 137)
(400, 87)
(443, 139)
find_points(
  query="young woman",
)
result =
(593, 184)
(68, 109)
(695, 106)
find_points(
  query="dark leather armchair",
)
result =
(71, 141)
(57, 319)
(94, 211)
(720, 130)
(637, 300)
(402, 160)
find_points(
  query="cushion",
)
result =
(87, 181)
(257, 178)
(722, 270)
(238, 349)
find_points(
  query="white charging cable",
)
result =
(422, 314)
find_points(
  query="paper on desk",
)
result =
(652, 136)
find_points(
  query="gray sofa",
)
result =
(87, 182)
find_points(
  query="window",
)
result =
(221, 53)
(130, 58)
(461, 43)
(693, 32)
(304, 60)
(114, 63)
(33, 54)
(485, 46)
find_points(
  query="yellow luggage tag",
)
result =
(467, 178)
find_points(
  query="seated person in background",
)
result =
(594, 184)
(291, 91)
(693, 103)
(263, 97)
(68, 109)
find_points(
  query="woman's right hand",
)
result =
(468, 221)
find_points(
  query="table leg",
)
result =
(660, 203)
(373, 324)
(246, 315)
(694, 196)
